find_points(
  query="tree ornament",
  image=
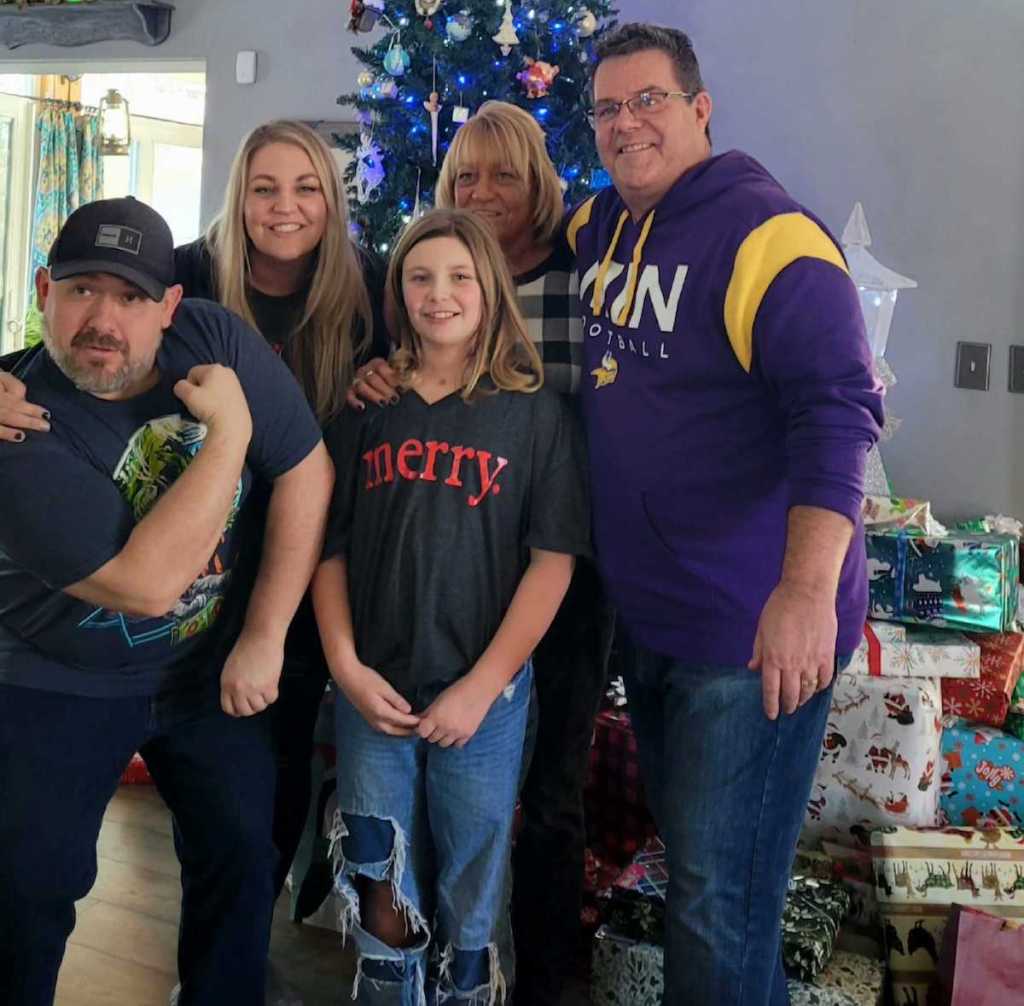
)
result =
(433, 106)
(585, 22)
(396, 59)
(537, 78)
(365, 14)
(459, 26)
(369, 169)
(507, 37)
(385, 87)
(365, 80)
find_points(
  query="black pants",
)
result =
(291, 721)
(61, 757)
(570, 667)
(293, 718)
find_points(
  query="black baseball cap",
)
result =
(123, 237)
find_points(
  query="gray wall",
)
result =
(913, 108)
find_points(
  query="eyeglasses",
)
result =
(642, 105)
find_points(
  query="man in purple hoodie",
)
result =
(730, 408)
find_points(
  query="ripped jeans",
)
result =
(437, 823)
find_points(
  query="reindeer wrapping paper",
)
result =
(921, 873)
(962, 581)
(879, 761)
(893, 650)
(982, 783)
(987, 700)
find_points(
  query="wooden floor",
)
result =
(122, 952)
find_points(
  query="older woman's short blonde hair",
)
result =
(501, 135)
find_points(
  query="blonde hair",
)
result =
(501, 135)
(337, 323)
(502, 348)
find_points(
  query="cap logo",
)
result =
(125, 239)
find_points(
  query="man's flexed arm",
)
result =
(172, 544)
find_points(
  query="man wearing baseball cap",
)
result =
(119, 533)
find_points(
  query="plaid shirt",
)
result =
(548, 298)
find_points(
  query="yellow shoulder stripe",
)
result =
(579, 219)
(765, 252)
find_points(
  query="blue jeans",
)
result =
(437, 823)
(728, 789)
(61, 758)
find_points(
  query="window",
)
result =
(16, 153)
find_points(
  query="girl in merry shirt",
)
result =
(455, 521)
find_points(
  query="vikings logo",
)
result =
(607, 372)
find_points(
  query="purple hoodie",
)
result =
(727, 378)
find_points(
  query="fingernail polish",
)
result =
(394, 401)
(18, 437)
(361, 407)
(46, 415)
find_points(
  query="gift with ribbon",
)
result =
(962, 580)
(894, 650)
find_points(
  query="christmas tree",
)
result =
(434, 66)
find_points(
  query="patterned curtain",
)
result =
(70, 173)
(90, 160)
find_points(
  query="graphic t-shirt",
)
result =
(436, 508)
(73, 496)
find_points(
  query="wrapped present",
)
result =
(853, 868)
(983, 777)
(987, 699)
(982, 960)
(921, 873)
(805, 994)
(618, 821)
(847, 978)
(894, 650)
(810, 924)
(878, 760)
(1017, 699)
(963, 580)
(625, 972)
(894, 513)
(647, 873)
(1014, 725)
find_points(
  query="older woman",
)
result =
(498, 167)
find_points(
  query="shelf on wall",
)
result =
(82, 23)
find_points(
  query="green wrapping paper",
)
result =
(964, 580)
(810, 924)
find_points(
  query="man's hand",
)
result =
(795, 646)
(248, 683)
(17, 415)
(378, 703)
(214, 396)
(374, 382)
(456, 714)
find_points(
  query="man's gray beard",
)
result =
(92, 380)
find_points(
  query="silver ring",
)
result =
(809, 683)
(367, 373)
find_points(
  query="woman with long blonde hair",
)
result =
(279, 254)
(454, 524)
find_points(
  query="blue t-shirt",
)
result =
(72, 497)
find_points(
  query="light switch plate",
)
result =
(1016, 368)
(973, 361)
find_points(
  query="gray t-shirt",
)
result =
(436, 508)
